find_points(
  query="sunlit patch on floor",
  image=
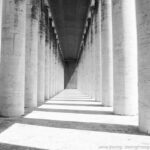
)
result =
(72, 125)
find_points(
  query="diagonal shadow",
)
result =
(73, 97)
(98, 127)
(5, 124)
(63, 104)
(4, 146)
(76, 111)
(73, 100)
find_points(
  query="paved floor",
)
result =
(71, 121)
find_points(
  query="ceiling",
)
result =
(69, 17)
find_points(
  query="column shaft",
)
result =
(94, 69)
(53, 67)
(31, 53)
(12, 68)
(41, 59)
(1, 7)
(98, 51)
(107, 54)
(51, 55)
(47, 95)
(47, 78)
(125, 57)
(143, 19)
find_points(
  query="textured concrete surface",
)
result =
(31, 66)
(12, 67)
(1, 7)
(98, 57)
(107, 53)
(71, 121)
(47, 72)
(52, 70)
(47, 55)
(41, 58)
(125, 57)
(143, 12)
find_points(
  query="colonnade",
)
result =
(123, 72)
(30, 56)
(89, 65)
(113, 66)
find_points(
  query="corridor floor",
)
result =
(71, 121)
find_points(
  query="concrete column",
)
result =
(125, 57)
(59, 73)
(87, 48)
(98, 51)
(47, 78)
(91, 64)
(90, 58)
(63, 76)
(47, 59)
(41, 59)
(57, 79)
(85, 68)
(1, 7)
(31, 67)
(12, 68)
(53, 67)
(51, 55)
(85, 72)
(56, 69)
(107, 53)
(143, 19)
(62, 73)
(93, 46)
(50, 72)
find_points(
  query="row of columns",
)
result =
(90, 61)
(30, 56)
(117, 55)
(123, 73)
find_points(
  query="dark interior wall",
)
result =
(70, 75)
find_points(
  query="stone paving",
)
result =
(71, 121)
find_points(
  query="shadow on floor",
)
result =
(76, 100)
(76, 111)
(99, 127)
(16, 147)
(63, 104)
(5, 123)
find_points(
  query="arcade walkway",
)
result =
(70, 121)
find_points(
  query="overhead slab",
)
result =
(69, 17)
